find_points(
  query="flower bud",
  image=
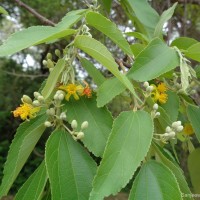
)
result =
(157, 114)
(179, 128)
(26, 99)
(47, 124)
(85, 28)
(80, 135)
(44, 62)
(149, 88)
(52, 111)
(57, 52)
(168, 129)
(171, 134)
(36, 94)
(146, 84)
(84, 125)
(155, 106)
(63, 116)
(36, 103)
(56, 97)
(50, 63)
(74, 124)
(174, 124)
(49, 56)
(40, 98)
(61, 97)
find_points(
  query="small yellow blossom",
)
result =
(188, 130)
(72, 89)
(25, 111)
(162, 88)
(158, 93)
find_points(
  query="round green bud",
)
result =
(36, 103)
(157, 114)
(44, 62)
(36, 94)
(155, 106)
(84, 125)
(74, 124)
(56, 97)
(146, 84)
(40, 98)
(80, 135)
(61, 97)
(50, 63)
(52, 111)
(63, 116)
(171, 134)
(47, 124)
(179, 128)
(49, 56)
(168, 129)
(174, 124)
(149, 88)
(57, 52)
(26, 99)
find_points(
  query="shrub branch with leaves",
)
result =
(157, 88)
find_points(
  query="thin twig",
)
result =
(32, 76)
(35, 13)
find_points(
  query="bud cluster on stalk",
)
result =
(154, 112)
(171, 131)
(78, 135)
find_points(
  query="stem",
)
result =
(35, 13)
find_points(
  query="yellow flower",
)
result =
(25, 111)
(162, 88)
(158, 93)
(72, 89)
(188, 130)
(161, 97)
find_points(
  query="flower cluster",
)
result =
(159, 93)
(76, 90)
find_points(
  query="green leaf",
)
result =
(34, 186)
(139, 36)
(69, 167)
(110, 29)
(3, 11)
(166, 15)
(197, 70)
(193, 113)
(96, 75)
(109, 90)
(171, 107)
(53, 78)
(137, 48)
(184, 43)
(99, 119)
(38, 34)
(22, 145)
(156, 59)
(123, 153)
(194, 166)
(177, 171)
(144, 15)
(107, 5)
(155, 181)
(98, 51)
(193, 52)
